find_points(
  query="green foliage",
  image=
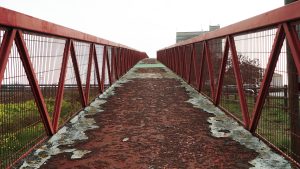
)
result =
(23, 127)
(274, 124)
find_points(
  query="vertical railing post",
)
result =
(88, 77)
(113, 62)
(5, 49)
(104, 56)
(77, 74)
(202, 58)
(222, 73)
(98, 76)
(210, 69)
(61, 86)
(40, 102)
(108, 67)
(293, 71)
(196, 74)
(190, 63)
(239, 82)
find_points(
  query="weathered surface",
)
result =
(152, 119)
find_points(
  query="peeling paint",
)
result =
(79, 154)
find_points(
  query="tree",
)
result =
(250, 69)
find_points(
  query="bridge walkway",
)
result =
(152, 119)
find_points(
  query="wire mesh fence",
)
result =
(21, 126)
(82, 51)
(261, 86)
(36, 93)
(106, 68)
(216, 47)
(46, 55)
(72, 101)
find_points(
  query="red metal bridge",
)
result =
(225, 99)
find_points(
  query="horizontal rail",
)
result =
(274, 17)
(10, 18)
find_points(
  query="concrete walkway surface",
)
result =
(152, 119)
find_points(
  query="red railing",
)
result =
(47, 74)
(251, 70)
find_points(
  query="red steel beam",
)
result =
(210, 69)
(61, 85)
(122, 62)
(39, 99)
(113, 64)
(274, 17)
(88, 77)
(5, 49)
(108, 69)
(77, 74)
(222, 72)
(276, 49)
(103, 67)
(196, 72)
(177, 60)
(191, 59)
(172, 59)
(183, 62)
(239, 82)
(97, 70)
(118, 62)
(186, 64)
(294, 44)
(201, 68)
(10, 18)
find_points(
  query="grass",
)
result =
(274, 124)
(21, 126)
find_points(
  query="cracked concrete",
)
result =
(221, 126)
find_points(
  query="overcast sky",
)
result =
(144, 25)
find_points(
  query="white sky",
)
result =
(144, 25)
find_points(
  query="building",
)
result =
(181, 36)
(277, 80)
